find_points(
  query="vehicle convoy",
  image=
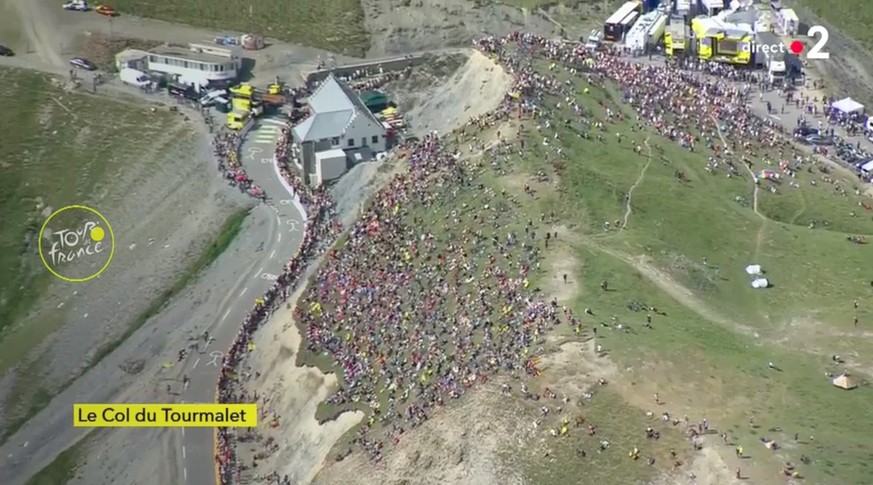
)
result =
(77, 6)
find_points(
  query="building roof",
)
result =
(333, 107)
(186, 53)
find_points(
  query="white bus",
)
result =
(613, 29)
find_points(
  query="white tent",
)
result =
(845, 382)
(760, 283)
(848, 106)
(868, 167)
(753, 269)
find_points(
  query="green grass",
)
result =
(51, 157)
(719, 368)
(226, 234)
(63, 468)
(849, 16)
(336, 25)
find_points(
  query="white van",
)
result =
(134, 77)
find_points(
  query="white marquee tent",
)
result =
(848, 106)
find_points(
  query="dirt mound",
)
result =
(475, 88)
(461, 444)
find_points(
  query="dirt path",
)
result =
(630, 192)
(759, 237)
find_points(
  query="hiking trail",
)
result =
(759, 237)
(630, 192)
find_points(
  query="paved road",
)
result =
(282, 241)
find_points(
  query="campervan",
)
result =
(134, 77)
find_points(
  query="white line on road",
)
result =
(279, 237)
(183, 451)
(185, 472)
(272, 254)
(225, 314)
(243, 292)
(183, 429)
(185, 388)
(259, 272)
(195, 365)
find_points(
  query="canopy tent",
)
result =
(760, 283)
(375, 101)
(753, 269)
(845, 382)
(868, 167)
(848, 106)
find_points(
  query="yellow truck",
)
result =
(676, 40)
(236, 119)
(722, 42)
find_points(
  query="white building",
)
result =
(338, 120)
(198, 65)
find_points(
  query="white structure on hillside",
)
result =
(338, 120)
(198, 65)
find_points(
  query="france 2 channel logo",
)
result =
(815, 53)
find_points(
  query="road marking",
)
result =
(186, 385)
(285, 202)
(195, 366)
(243, 292)
(183, 429)
(259, 272)
(225, 315)
(266, 160)
(293, 224)
(273, 121)
(279, 237)
(184, 455)
(185, 472)
(216, 356)
(269, 276)
(254, 151)
(272, 254)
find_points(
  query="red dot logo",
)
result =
(796, 47)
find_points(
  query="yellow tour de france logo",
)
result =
(76, 243)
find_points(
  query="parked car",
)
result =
(818, 140)
(6, 52)
(106, 10)
(82, 63)
(77, 5)
(806, 131)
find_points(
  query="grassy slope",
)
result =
(851, 17)
(48, 157)
(716, 367)
(228, 231)
(708, 356)
(336, 25)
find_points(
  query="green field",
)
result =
(851, 17)
(683, 251)
(710, 354)
(336, 25)
(57, 147)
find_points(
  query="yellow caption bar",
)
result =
(165, 415)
